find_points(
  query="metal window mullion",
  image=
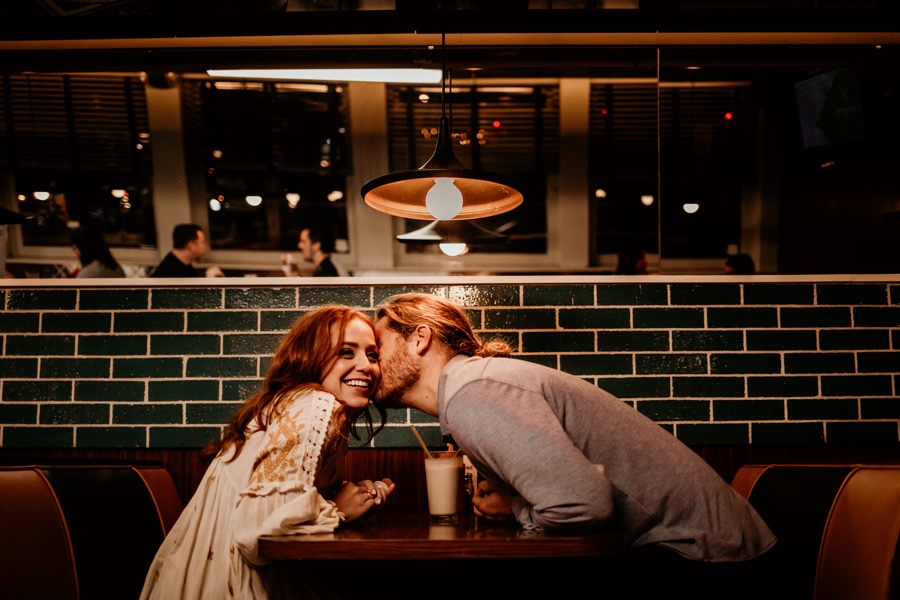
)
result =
(70, 123)
(10, 124)
(133, 136)
(410, 131)
(538, 130)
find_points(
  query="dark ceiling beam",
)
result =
(188, 22)
(547, 43)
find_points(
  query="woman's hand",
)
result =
(490, 503)
(357, 499)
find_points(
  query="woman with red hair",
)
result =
(279, 468)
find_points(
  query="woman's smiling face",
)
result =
(355, 373)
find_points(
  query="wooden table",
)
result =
(414, 537)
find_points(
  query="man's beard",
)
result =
(398, 375)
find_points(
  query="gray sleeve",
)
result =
(513, 433)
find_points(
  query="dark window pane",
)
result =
(275, 159)
(706, 141)
(79, 147)
(623, 165)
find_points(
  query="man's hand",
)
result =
(491, 503)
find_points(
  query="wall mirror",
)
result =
(789, 153)
(687, 152)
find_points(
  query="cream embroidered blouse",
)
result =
(278, 485)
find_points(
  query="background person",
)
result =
(188, 245)
(94, 255)
(557, 452)
(316, 246)
(740, 264)
(279, 468)
(632, 260)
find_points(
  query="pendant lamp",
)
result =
(442, 188)
(451, 232)
(453, 237)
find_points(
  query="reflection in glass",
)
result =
(509, 129)
(274, 157)
(623, 167)
(802, 150)
(78, 147)
(704, 138)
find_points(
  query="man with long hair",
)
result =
(557, 452)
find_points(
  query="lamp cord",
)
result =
(443, 73)
(450, 118)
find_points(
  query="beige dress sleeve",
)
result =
(281, 497)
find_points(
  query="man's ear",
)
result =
(422, 338)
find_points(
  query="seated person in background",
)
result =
(740, 264)
(557, 452)
(632, 261)
(279, 468)
(188, 245)
(316, 246)
(94, 255)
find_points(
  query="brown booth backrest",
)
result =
(90, 531)
(859, 553)
(838, 527)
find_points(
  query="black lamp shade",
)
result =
(451, 232)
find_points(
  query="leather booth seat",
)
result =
(838, 527)
(82, 532)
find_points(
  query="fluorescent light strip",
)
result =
(376, 75)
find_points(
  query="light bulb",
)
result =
(444, 200)
(452, 249)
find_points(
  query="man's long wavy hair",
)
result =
(303, 358)
(448, 323)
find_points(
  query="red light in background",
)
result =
(496, 124)
(729, 115)
(603, 111)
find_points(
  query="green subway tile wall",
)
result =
(713, 363)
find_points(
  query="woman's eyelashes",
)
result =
(349, 353)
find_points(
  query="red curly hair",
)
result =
(301, 361)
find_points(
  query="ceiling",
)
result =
(508, 37)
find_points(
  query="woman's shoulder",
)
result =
(309, 395)
(306, 398)
(305, 414)
(96, 269)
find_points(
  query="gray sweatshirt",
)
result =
(575, 456)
